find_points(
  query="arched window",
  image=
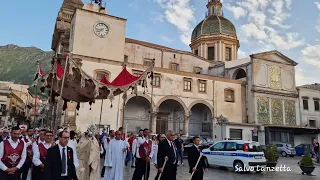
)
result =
(99, 73)
(229, 95)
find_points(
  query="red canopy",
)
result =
(124, 78)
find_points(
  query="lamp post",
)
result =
(221, 120)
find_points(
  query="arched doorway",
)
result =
(171, 115)
(200, 120)
(239, 74)
(137, 113)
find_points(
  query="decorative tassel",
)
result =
(111, 105)
(62, 113)
(78, 106)
(90, 109)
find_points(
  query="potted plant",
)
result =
(271, 155)
(306, 163)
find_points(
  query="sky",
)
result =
(289, 26)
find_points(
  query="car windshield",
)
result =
(255, 147)
(289, 145)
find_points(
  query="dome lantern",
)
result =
(214, 8)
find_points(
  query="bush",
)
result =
(271, 153)
(306, 159)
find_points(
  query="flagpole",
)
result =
(51, 99)
(100, 114)
(35, 107)
(151, 99)
(62, 86)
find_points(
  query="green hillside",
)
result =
(18, 64)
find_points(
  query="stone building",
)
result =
(257, 94)
(309, 98)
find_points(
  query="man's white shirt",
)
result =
(65, 153)
(71, 144)
(14, 145)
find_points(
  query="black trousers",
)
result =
(25, 169)
(198, 175)
(168, 173)
(140, 170)
(5, 176)
(103, 171)
(37, 173)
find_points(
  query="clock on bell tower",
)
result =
(96, 34)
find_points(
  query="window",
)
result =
(174, 66)
(312, 123)
(279, 145)
(229, 95)
(174, 55)
(196, 52)
(305, 104)
(316, 105)
(137, 74)
(187, 84)
(285, 137)
(206, 127)
(218, 147)
(147, 62)
(156, 81)
(202, 86)
(236, 134)
(99, 75)
(211, 53)
(125, 59)
(197, 70)
(231, 146)
(228, 54)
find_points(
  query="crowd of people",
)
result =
(33, 154)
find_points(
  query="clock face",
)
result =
(101, 29)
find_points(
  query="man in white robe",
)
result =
(115, 158)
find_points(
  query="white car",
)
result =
(238, 154)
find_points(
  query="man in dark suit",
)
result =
(167, 149)
(193, 156)
(59, 164)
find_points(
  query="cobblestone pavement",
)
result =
(215, 173)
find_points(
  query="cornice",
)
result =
(263, 91)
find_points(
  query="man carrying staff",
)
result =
(167, 149)
(143, 156)
(28, 140)
(39, 156)
(193, 156)
(12, 156)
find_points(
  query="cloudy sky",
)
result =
(289, 26)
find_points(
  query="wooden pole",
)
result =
(196, 165)
(100, 114)
(62, 86)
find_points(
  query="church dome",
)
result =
(214, 25)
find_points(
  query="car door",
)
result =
(230, 153)
(216, 153)
(279, 148)
(299, 149)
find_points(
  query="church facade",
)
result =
(190, 90)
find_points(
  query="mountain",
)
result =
(18, 64)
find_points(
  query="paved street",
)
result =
(218, 174)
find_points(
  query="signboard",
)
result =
(23, 126)
(255, 132)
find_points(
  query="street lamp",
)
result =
(221, 120)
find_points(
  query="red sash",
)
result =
(11, 157)
(29, 151)
(145, 149)
(43, 152)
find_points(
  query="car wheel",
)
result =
(238, 167)
(284, 154)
